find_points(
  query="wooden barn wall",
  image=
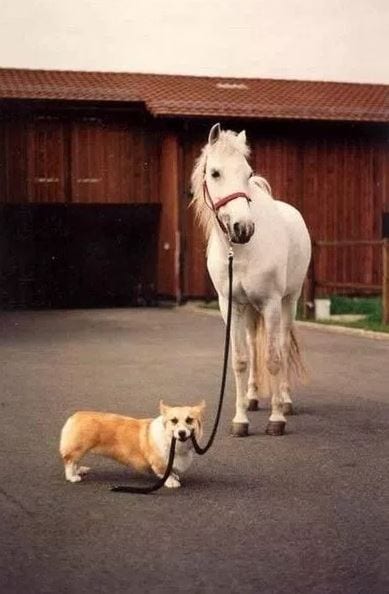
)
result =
(81, 155)
(336, 175)
(195, 278)
(78, 158)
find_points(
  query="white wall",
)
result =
(305, 39)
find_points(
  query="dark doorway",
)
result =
(78, 255)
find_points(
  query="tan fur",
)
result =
(296, 367)
(124, 439)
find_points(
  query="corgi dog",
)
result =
(143, 444)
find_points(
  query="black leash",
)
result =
(203, 450)
(160, 482)
(198, 449)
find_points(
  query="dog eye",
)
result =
(174, 421)
(188, 420)
(215, 173)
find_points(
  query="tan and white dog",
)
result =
(143, 444)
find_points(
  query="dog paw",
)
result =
(172, 483)
(76, 478)
(83, 470)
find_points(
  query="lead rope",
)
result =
(198, 449)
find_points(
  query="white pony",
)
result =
(272, 250)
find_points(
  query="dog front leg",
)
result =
(172, 481)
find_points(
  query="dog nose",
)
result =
(182, 434)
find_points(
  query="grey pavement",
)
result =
(303, 513)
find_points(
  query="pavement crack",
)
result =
(16, 502)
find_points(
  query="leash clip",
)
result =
(230, 245)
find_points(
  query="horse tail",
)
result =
(296, 367)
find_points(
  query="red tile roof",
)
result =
(170, 95)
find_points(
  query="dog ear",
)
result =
(199, 408)
(162, 408)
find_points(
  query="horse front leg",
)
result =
(251, 330)
(276, 363)
(240, 422)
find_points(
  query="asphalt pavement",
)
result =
(304, 513)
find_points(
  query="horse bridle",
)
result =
(215, 206)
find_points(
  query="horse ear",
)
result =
(242, 137)
(214, 134)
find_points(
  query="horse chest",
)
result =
(218, 270)
(250, 284)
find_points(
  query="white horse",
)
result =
(272, 250)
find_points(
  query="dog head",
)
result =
(182, 421)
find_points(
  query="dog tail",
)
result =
(65, 440)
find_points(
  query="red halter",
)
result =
(221, 202)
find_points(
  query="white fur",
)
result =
(269, 270)
(72, 473)
(184, 454)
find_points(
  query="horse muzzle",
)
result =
(241, 232)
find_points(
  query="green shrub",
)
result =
(369, 306)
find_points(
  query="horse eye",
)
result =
(188, 420)
(251, 174)
(215, 173)
(174, 421)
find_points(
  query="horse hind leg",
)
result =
(291, 352)
(286, 323)
(287, 404)
(274, 363)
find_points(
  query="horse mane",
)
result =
(262, 183)
(228, 142)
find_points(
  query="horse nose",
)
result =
(243, 232)
(237, 229)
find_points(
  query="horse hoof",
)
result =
(275, 428)
(252, 405)
(240, 429)
(287, 408)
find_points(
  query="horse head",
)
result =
(226, 182)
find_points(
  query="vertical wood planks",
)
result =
(385, 281)
(196, 281)
(46, 160)
(168, 282)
